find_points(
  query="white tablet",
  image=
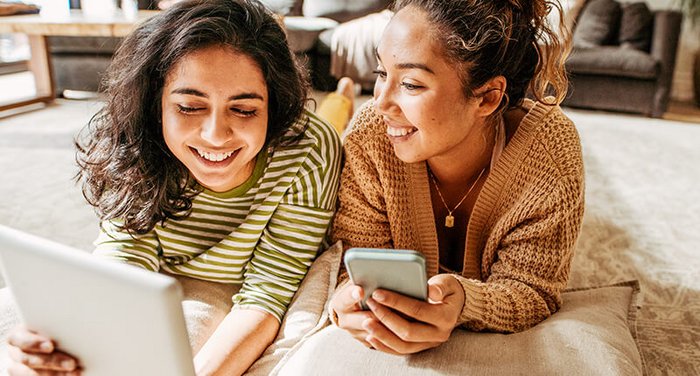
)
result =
(118, 319)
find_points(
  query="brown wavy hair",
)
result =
(127, 171)
(509, 38)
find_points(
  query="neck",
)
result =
(460, 167)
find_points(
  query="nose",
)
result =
(216, 130)
(383, 97)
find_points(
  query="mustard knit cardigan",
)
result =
(522, 230)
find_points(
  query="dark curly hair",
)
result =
(128, 172)
(509, 38)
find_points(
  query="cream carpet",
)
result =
(642, 216)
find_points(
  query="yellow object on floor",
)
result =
(336, 109)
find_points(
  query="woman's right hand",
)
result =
(350, 316)
(33, 354)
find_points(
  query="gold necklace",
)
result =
(450, 219)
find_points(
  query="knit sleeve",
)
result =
(134, 249)
(361, 219)
(532, 267)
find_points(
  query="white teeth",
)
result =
(214, 157)
(398, 132)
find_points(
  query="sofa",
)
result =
(623, 57)
(79, 62)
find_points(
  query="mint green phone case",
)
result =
(397, 270)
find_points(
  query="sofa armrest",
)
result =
(664, 45)
(667, 30)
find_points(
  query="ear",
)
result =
(490, 94)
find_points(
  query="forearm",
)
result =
(237, 343)
(502, 307)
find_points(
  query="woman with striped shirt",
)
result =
(204, 164)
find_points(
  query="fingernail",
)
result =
(68, 364)
(356, 294)
(35, 361)
(378, 296)
(371, 303)
(46, 346)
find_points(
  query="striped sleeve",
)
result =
(297, 228)
(116, 244)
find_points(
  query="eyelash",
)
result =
(379, 73)
(407, 86)
(190, 110)
(187, 110)
(244, 113)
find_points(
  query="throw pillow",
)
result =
(572, 10)
(636, 24)
(597, 24)
(284, 7)
(342, 10)
(593, 334)
(306, 313)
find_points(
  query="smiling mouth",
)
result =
(399, 132)
(211, 158)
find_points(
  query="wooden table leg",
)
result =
(40, 66)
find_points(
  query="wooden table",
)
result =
(38, 27)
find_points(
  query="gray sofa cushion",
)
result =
(598, 24)
(83, 45)
(342, 10)
(613, 61)
(636, 24)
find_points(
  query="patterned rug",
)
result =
(642, 222)
(642, 216)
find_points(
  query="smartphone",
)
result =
(397, 270)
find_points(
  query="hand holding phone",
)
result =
(406, 310)
(401, 271)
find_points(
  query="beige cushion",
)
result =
(593, 334)
(306, 313)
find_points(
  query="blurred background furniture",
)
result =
(37, 29)
(78, 62)
(623, 57)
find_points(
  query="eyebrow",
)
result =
(195, 92)
(406, 65)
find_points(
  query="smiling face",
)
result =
(419, 94)
(214, 115)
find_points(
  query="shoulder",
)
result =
(309, 134)
(555, 137)
(367, 131)
(366, 121)
(320, 131)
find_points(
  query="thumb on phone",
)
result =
(442, 286)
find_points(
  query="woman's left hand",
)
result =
(404, 325)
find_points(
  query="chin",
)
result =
(407, 156)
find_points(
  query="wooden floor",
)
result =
(683, 111)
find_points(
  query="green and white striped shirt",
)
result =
(263, 234)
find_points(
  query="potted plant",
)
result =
(691, 8)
